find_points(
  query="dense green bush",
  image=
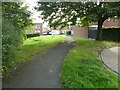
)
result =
(11, 38)
(33, 35)
(68, 33)
(111, 34)
(14, 22)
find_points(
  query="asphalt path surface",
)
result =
(43, 71)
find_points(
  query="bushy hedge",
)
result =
(33, 35)
(111, 34)
(11, 38)
(68, 32)
(15, 20)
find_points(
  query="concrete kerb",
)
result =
(106, 63)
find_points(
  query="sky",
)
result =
(31, 4)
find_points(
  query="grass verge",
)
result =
(36, 45)
(83, 68)
(31, 48)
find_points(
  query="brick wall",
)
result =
(80, 31)
(111, 23)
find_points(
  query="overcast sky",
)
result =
(31, 4)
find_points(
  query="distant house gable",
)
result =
(38, 25)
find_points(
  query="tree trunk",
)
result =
(99, 31)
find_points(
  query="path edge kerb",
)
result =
(101, 58)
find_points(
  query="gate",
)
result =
(92, 34)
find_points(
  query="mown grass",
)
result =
(36, 45)
(83, 68)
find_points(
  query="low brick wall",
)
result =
(80, 31)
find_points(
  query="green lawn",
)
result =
(36, 45)
(83, 68)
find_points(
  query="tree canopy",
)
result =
(17, 14)
(83, 13)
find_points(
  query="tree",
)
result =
(59, 13)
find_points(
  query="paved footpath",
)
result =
(111, 57)
(43, 71)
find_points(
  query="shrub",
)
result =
(33, 35)
(68, 33)
(15, 19)
(11, 37)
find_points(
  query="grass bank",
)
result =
(36, 45)
(83, 68)
(31, 48)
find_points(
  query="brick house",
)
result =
(38, 28)
(109, 23)
(91, 31)
(79, 31)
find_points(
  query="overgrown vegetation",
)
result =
(10, 39)
(68, 32)
(15, 19)
(83, 68)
